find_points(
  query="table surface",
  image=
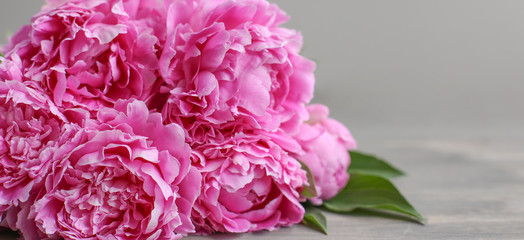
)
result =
(467, 182)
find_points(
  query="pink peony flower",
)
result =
(228, 60)
(250, 183)
(90, 53)
(129, 179)
(31, 130)
(326, 143)
(133, 116)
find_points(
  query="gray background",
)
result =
(436, 87)
(447, 63)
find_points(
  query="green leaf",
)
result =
(371, 165)
(314, 218)
(371, 192)
(310, 191)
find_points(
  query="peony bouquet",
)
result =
(151, 119)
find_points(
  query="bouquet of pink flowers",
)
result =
(150, 119)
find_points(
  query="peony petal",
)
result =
(105, 33)
(153, 172)
(206, 83)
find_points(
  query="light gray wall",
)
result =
(15, 13)
(403, 62)
(421, 62)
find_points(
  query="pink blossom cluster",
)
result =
(154, 119)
